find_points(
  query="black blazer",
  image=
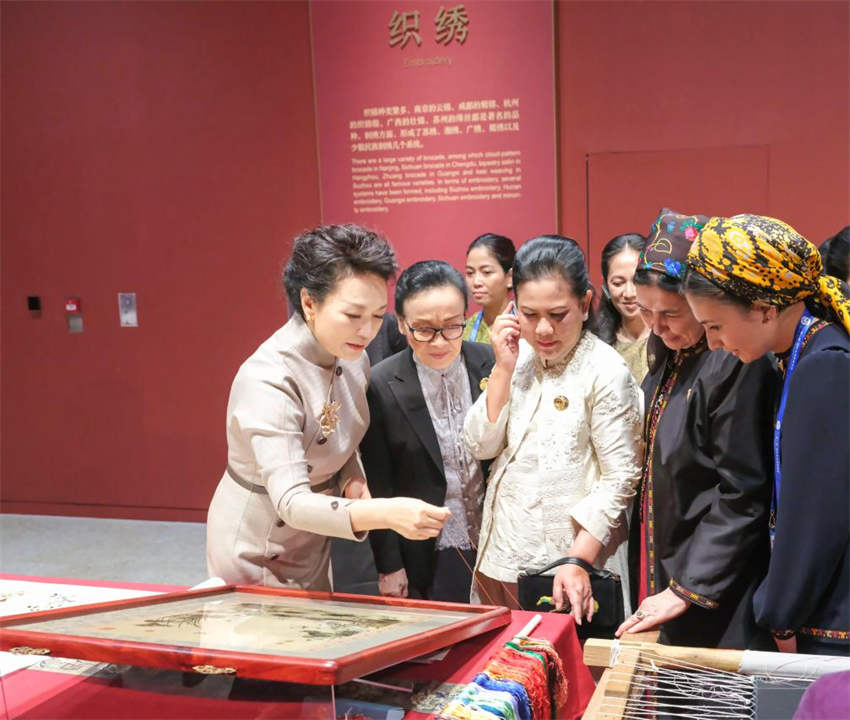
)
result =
(401, 454)
(711, 469)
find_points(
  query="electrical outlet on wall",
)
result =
(128, 315)
(34, 305)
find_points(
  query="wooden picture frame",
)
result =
(318, 638)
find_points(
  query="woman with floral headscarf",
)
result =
(757, 287)
(701, 520)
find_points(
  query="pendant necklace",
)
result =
(329, 418)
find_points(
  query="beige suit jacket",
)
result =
(278, 500)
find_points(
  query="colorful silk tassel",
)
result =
(524, 680)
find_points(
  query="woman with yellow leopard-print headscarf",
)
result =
(757, 286)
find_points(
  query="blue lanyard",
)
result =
(799, 339)
(477, 324)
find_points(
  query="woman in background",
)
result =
(488, 277)
(835, 253)
(561, 416)
(619, 322)
(757, 287)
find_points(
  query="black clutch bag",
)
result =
(535, 593)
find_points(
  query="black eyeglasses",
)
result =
(427, 334)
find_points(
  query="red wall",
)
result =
(166, 149)
(672, 76)
(169, 149)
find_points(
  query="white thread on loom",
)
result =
(679, 693)
(472, 570)
(684, 685)
(791, 665)
(615, 653)
(689, 684)
(678, 689)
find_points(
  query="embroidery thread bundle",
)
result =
(525, 680)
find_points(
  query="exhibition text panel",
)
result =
(436, 121)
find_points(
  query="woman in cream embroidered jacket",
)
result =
(567, 449)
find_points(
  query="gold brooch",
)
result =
(561, 402)
(329, 418)
(483, 383)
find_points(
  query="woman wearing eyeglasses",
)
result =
(418, 399)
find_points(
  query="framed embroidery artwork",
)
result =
(255, 632)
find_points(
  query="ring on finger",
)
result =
(639, 614)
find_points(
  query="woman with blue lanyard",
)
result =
(757, 286)
(488, 277)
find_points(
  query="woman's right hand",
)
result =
(504, 337)
(393, 584)
(415, 519)
(572, 586)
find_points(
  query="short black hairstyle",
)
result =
(608, 318)
(499, 246)
(324, 255)
(425, 275)
(547, 255)
(835, 253)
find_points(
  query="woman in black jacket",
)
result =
(417, 402)
(702, 513)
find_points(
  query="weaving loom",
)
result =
(647, 680)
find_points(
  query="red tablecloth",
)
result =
(465, 660)
(144, 693)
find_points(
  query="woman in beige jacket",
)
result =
(561, 416)
(296, 415)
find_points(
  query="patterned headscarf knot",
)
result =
(669, 240)
(760, 259)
